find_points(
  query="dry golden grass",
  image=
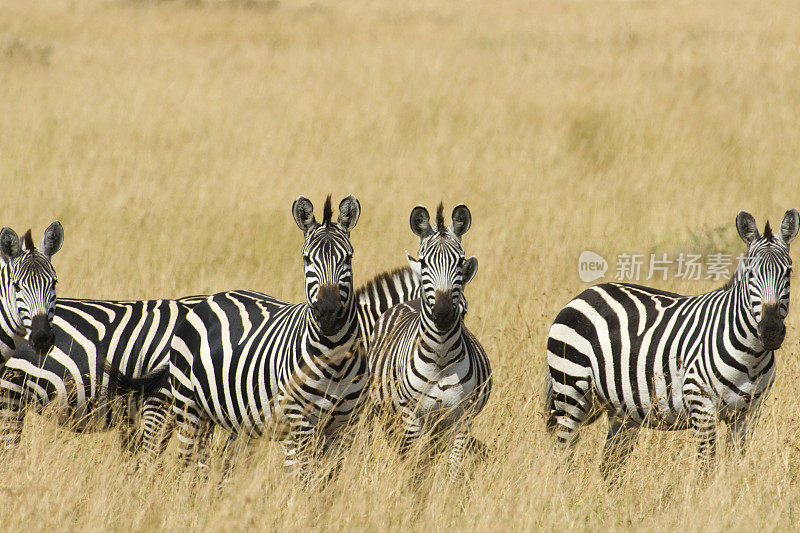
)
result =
(171, 138)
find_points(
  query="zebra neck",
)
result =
(11, 330)
(742, 328)
(439, 348)
(333, 347)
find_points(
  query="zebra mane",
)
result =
(327, 212)
(386, 277)
(768, 232)
(440, 227)
(27, 241)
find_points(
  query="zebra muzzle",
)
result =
(445, 312)
(329, 310)
(41, 337)
(771, 329)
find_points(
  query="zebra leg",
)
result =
(202, 444)
(157, 425)
(297, 445)
(192, 427)
(572, 404)
(412, 428)
(703, 422)
(229, 452)
(13, 407)
(620, 441)
(741, 427)
(455, 468)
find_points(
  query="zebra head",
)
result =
(327, 259)
(441, 265)
(29, 283)
(766, 271)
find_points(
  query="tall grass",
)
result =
(170, 139)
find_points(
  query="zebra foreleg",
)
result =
(741, 427)
(455, 470)
(13, 406)
(620, 441)
(703, 422)
(412, 428)
(297, 447)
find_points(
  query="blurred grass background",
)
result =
(170, 139)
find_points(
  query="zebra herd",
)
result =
(396, 346)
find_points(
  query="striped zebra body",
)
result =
(373, 299)
(131, 337)
(661, 360)
(426, 367)
(246, 361)
(27, 289)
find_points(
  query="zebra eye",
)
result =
(16, 286)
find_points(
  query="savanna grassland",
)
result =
(170, 139)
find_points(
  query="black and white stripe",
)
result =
(27, 289)
(250, 363)
(425, 365)
(373, 299)
(651, 358)
(90, 337)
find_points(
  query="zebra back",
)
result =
(380, 293)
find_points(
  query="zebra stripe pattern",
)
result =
(27, 289)
(373, 299)
(243, 359)
(651, 358)
(131, 337)
(426, 366)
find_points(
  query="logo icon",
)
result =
(591, 266)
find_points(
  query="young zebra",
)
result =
(243, 360)
(651, 358)
(27, 289)
(425, 365)
(90, 336)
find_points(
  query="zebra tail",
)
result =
(119, 383)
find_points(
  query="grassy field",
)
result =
(170, 139)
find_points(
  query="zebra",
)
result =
(27, 289)
(90, 339)
(651, 358)
(372, 299)
(243, 360)
(426, 367)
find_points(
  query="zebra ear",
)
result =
(789, 226)
(469, 269)
(461, 220)
(9, 243)
(746, 225)
(53, 239)
(349, 211)
(303, 212)
(421, 222)
(416, 268)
